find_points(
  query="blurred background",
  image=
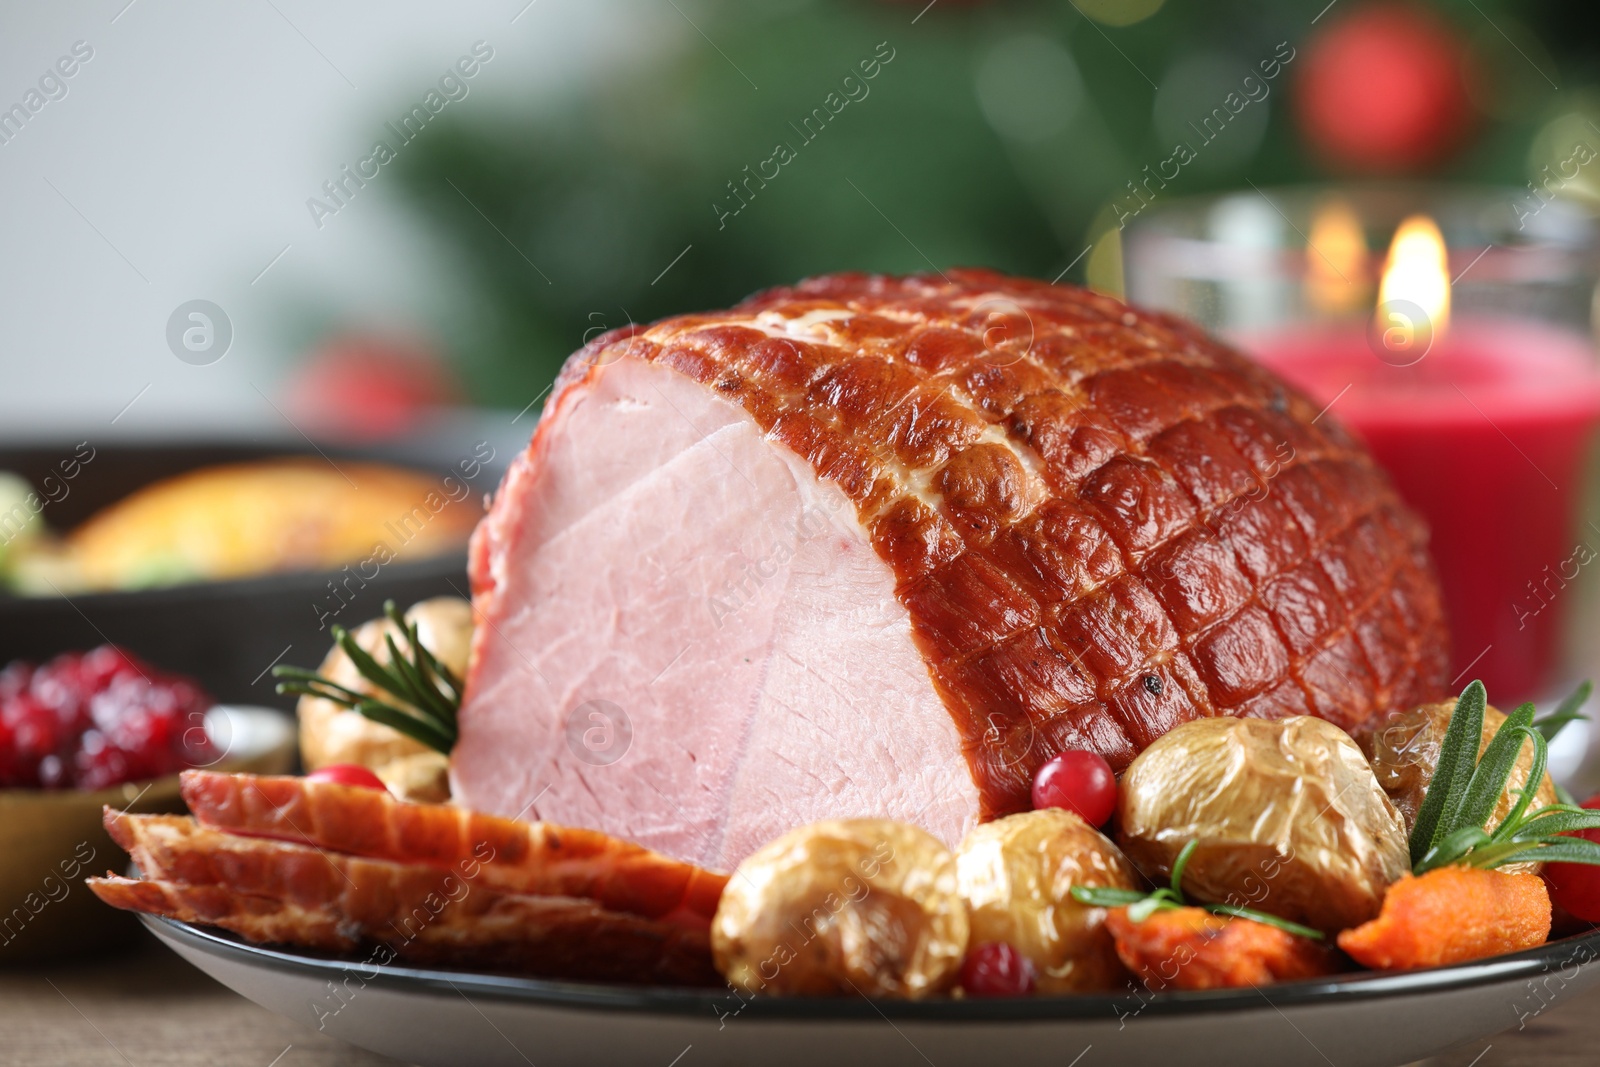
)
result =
(283, 285)
(579, 178)
(373, 232)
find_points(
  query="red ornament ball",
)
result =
(351, 774)
(1384, 90)
(996, 969)
(1079, 781)
(1576, 886)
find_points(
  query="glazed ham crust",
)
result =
(1101, 521)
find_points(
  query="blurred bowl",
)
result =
(50, 840)
(226, 634)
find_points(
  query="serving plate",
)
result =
(432, 1017)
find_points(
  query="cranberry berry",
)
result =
(1079, 781)
(996, 969)
(351, 774)
(1576, 886)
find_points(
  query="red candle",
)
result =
(1485, 435)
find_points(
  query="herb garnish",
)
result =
(427, 694)
(1142, 905)
(1450, 826)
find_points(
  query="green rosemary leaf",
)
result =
(446, 703)
(1143, 905)
(417, 692)
(1161, 898)
(1550, 850)
(424, 664)
(1264, 917)
(450, 677)
(1565, 712)
(412, 726)
(429, 715)
(1488, 782)
(1457, 756)
(1106, 896)
(1515, 818)
(298, 676)
(1548, 821)
(1452, 849)
(369, 668)
(386, 679)
(1178, 866)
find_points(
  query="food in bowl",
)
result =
(90, 720)
(243, 520)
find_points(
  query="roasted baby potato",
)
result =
(331, 733)
(1404, 751)
(1015, 874)
(860, 906)
(1288, 815)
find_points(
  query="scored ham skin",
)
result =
(1087, 524)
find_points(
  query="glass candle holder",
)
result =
(1469, 368)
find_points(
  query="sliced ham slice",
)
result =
(546, 937)
(882, 546)
(503, 854)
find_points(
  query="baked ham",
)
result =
(877, 546)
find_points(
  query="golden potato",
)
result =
(862, 906)
(423, 778)
(1015, 875)
(332, 733)
(1404, 751)
(1288, 815)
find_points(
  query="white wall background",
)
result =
(178, 166)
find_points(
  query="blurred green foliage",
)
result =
(603, 190)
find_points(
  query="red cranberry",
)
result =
(35, 730)
(99, 764)
(97, 719)
(996, 969)
(1079, 781)
(99, 666)
(1576, 886)
(57, 686)
(14, 679)
(347, 774)
(10, 765)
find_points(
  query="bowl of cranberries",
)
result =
(84, 730)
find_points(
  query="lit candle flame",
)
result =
(1414, 295)
(1336, 258)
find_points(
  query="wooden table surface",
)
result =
(148, 1008)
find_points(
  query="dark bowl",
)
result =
(226, 634)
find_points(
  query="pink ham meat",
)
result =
(877, 546)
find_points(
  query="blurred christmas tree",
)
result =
(787, 139)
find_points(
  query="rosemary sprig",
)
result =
(1451, 827)
(1142, 905)
(426, 695)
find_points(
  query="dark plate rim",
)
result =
(183, 593)
(1573, 951)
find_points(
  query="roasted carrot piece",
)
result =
(1189, 948)
(1451, 915)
